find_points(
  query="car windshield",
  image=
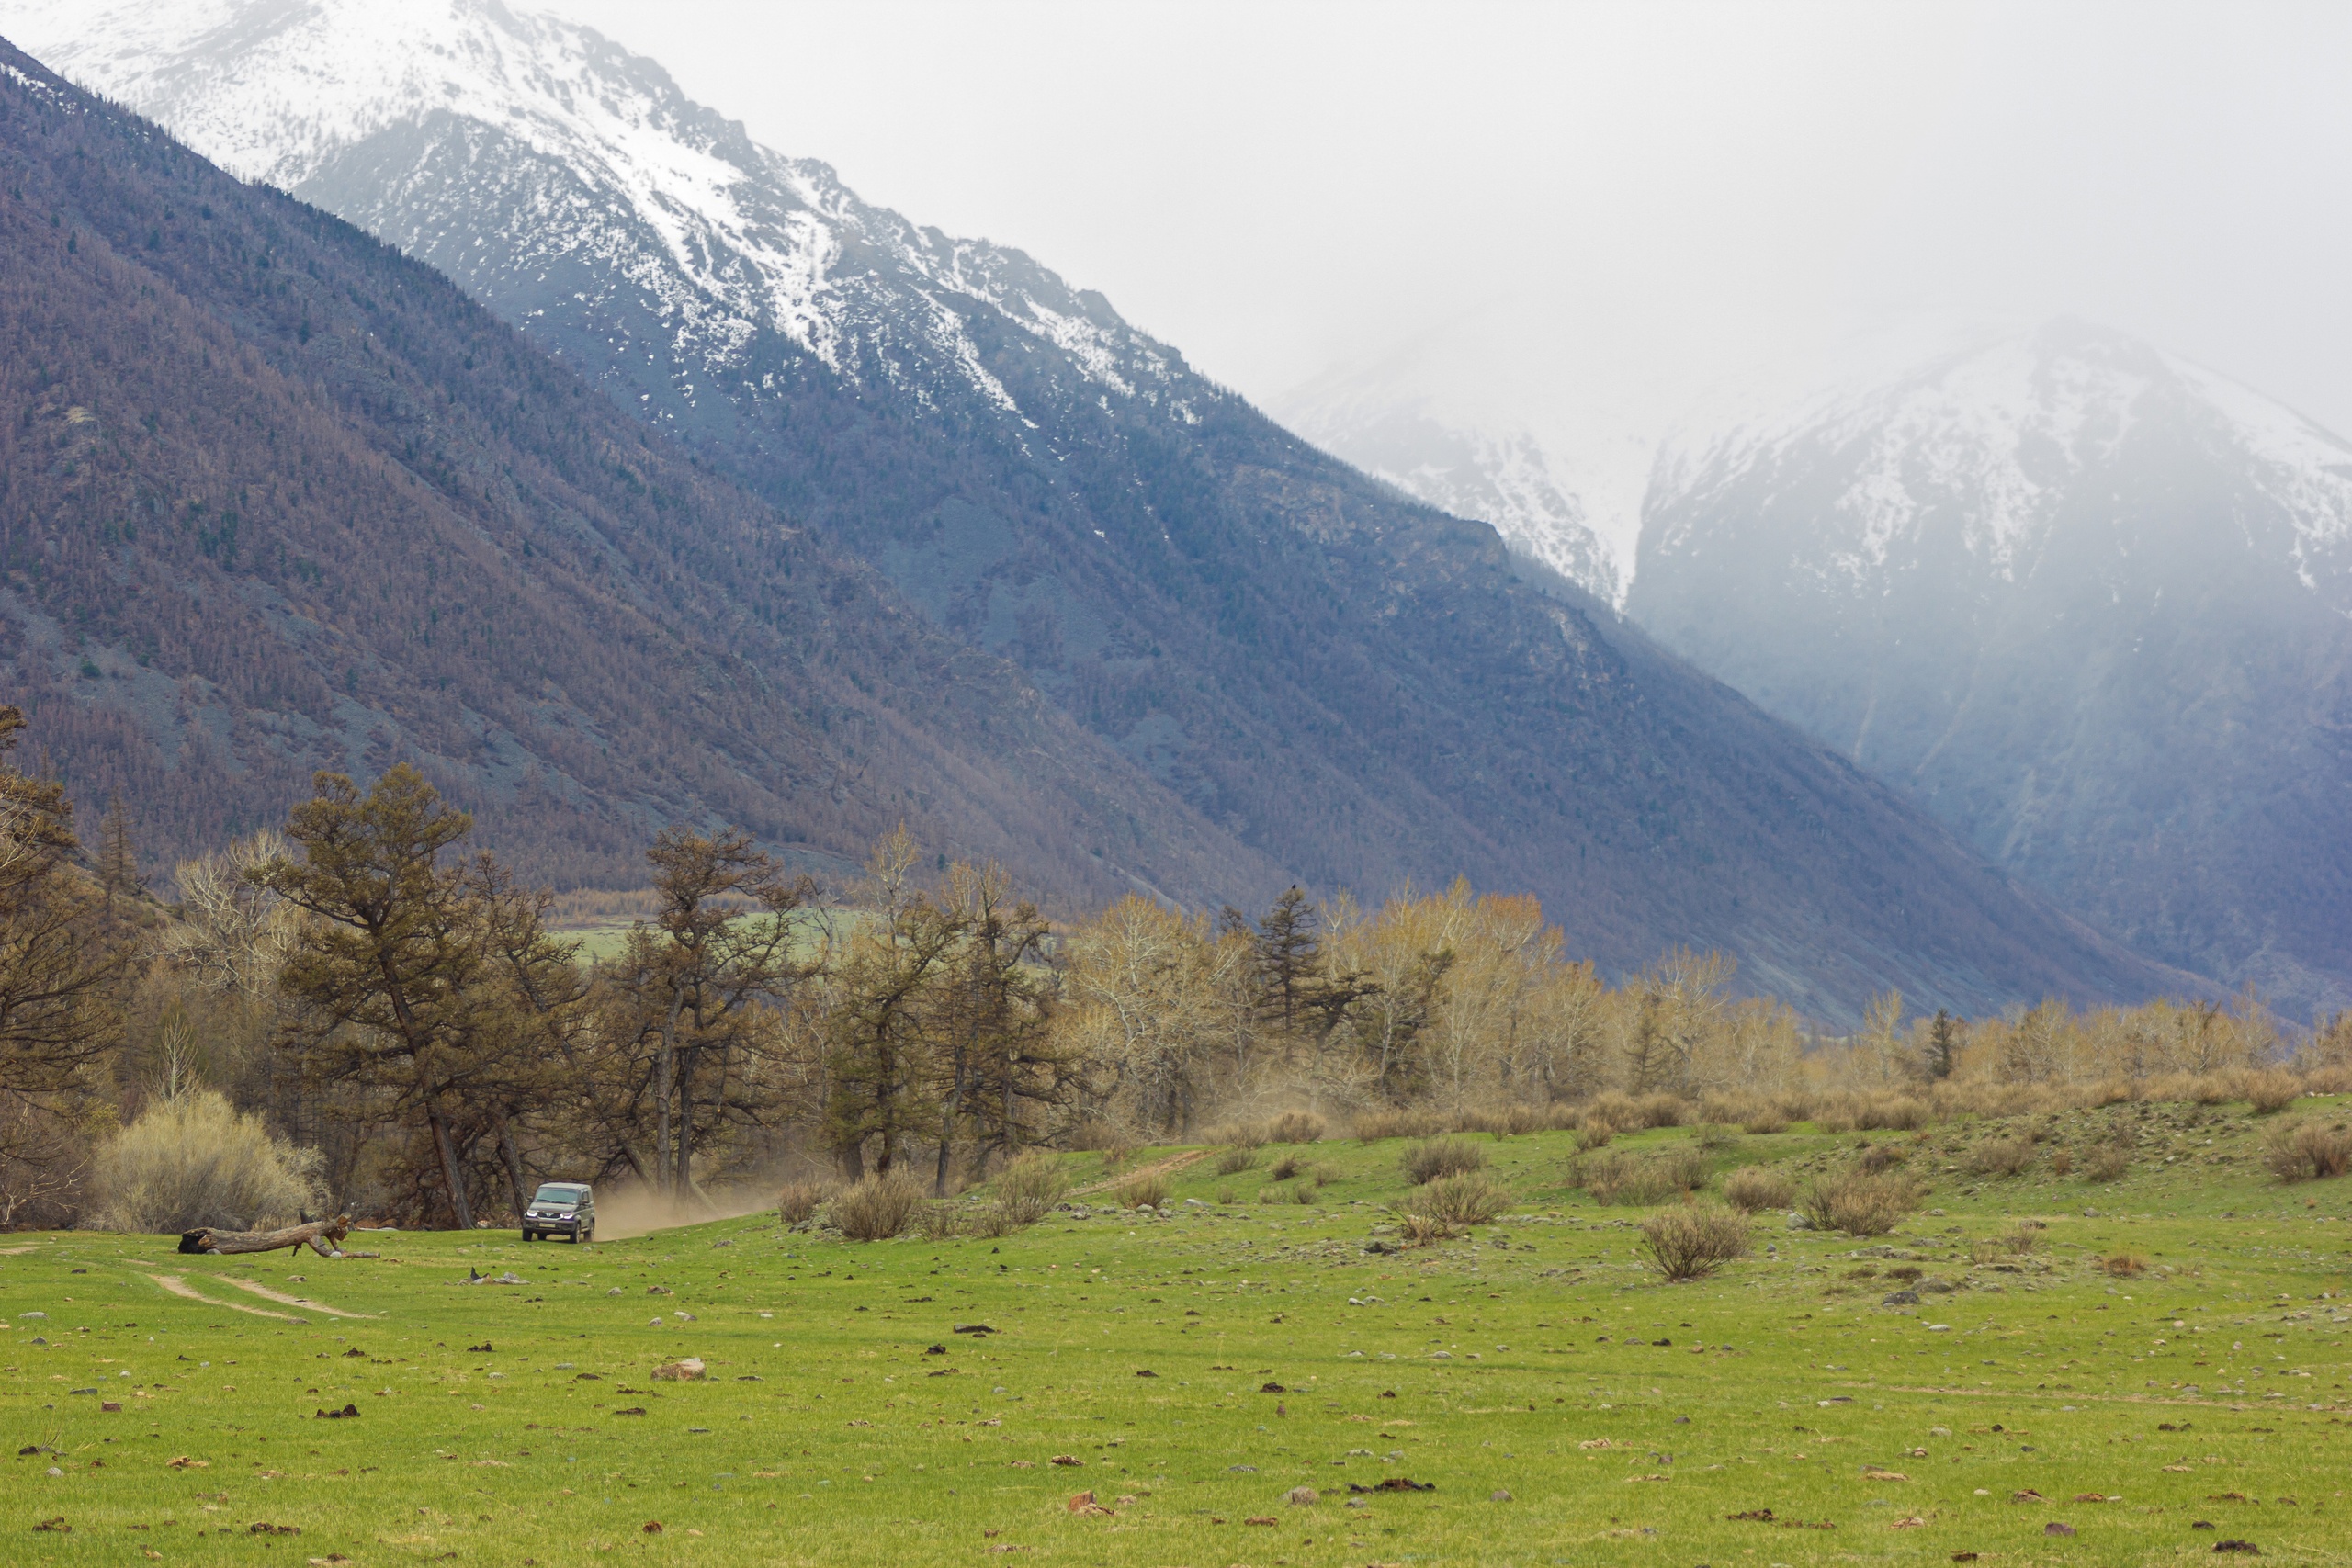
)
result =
(563, 1197)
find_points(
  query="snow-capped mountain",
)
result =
(555, 176)
(1350, 686)
(1499, 474)
(2092, 602)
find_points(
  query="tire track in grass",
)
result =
(181, 1288)
(257, 1287)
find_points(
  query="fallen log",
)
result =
(321, 1236)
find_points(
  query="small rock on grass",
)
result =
(1499, 1495)
(1302, 1496)
(2055, 1527)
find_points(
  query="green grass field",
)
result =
(1775, 1414)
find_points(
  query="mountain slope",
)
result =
(277, 499)
(2090, 603)
(1361, 690)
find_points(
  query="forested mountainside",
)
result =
(1362, 690)
(2086, 601)
(274, 498)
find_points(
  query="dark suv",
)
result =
(561, 1208)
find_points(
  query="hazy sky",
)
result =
(1641, 193)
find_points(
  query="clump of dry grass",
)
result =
(1025, 1192)
(1883, 1156)
(1470, 1199)
(2271, 1089)
(1233, 1160)
(2307, 1149)
(1693, 1242)
(1285, 1168)
(2123, 1265)
(1637, 1179)
(939, 1222)
(2002, 1157)
(1764, 1119)
(1241, 1135)
(797, 1201)
(1754, 1188)
(1145, 1190)
(876, 1208)
(1859, 1203)
(1296, 1127)
(2105, 1162)
(1436, 1157)
(1373, 1126)
(1595, 1133)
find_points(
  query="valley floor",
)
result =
(1550, 1401)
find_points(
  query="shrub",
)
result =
(1420, 1230)
(2123, 1265)
(798, 1201)
(2307, 1149)
(1025, 1192)
(1304, 1193)
(1241, 1135)
(2025, 1240)
(1891, 1112)
(1860, 1205)
(1634, 1179)
(2107, 1162)
(1617, 1111)
(1714, 1138)
(1764, 1119)
(1116, 1155)
(1227, 1196)
(1233, 1160)
(1691, 1243)
(2002, 1157)
(1471, 1199)
(1754, 1188)
(938, 1221)
(1145, 1190)
(1434, 1157)
(2270, 1089)
(1373, 1125)
(2062, 1163)
(195, 1161)
(1296, 1127)
(1273, 1194)
(1594, 1133)
(1285, 1168)
(876, 1208)
(1663, 1111)
(1883, 1156)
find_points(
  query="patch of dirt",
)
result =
(180, 1287)
(257, 1287)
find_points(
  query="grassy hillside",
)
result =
(1190, 1371)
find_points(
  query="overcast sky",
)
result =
(1641, 191)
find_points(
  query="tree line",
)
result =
(394, 1006)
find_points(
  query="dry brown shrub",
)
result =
(1373, 1126)
(2025, 1239)
(939, 1222)
(1145, 1190)
(1664, 1110)
(1436, 1157)
(1836, 1113)
(1617, 1111)
(1273, 1194)
(1595, 1134)
(1422, 1230)
(1890, 1112)
(798, 1201)
(1024, 1192)
(1285, 1168)
(876, 1208)
(2105, 1162)
(2329, 1077)
(1472, 1199)
(1883, 1156)
(2211, 1089)
(1764, 1118)
(1714, 1139)
(2307, 1149)
(1231, 1161)
(1305, 1193)
(1860, 1205)
(2062, 1163)
(2123, 1265)
(1691, 1242)
(1296, 1127)
(1241, 1135)
(2001, 1156)
(1754, 1188)
(1634, 1180)
(1094, 1133)
(2270, 1089)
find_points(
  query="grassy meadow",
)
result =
(2161, 1370)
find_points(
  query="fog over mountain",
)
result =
(2089, 601)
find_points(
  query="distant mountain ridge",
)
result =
(2090, 602)
(1338, 682)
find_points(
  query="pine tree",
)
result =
(118, 862)
(1289, 958)
(1943, 1040)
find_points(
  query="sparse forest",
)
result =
(366, 1012)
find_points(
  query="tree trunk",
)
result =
(662, 1082)
(322, 1236)
(457, 1204)
(514, 1167)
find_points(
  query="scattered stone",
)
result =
(1069, 1461)
(1499, 1495)
(1302, 1498)
(2055, 1527)
(349, 1413)
(687, 1370)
